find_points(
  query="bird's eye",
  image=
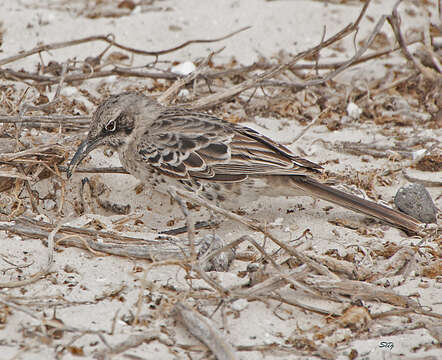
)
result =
(111, 126)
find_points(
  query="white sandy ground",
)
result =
(80, 282)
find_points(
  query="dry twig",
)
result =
(110, 39)
(156, 247)
(395, 22)
(204, 331)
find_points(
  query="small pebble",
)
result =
(415, 201)
(41, 217)
(418, 154)
(70, 91)
(184, 93)
(222, 261)
(353, 110)
(184, 68)
(49, 204)
(277, 222)
(239, 304)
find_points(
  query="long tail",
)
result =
(355, 203)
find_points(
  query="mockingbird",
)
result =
(224, 162)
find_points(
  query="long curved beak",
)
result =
(83, 150)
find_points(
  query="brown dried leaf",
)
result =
(355, 318)
(127, 4)
(433, 270)
(431, 163)
(117, 56)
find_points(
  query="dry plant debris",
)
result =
(351, 289)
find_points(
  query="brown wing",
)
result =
(187, 144)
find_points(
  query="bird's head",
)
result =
(112, 124)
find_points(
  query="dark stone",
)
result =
(415, 201)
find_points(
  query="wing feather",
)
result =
(186, 144)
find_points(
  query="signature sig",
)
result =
(386, 344)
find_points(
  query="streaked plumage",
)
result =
(225, 162)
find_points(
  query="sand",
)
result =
(95, 298)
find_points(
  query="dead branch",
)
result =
(152, 247)
(300, 86)
(167, 75)
(45, 120)
(95, 170)
(110, 39)
(425, 182)
(50, 80)
(204, 331)
(41, 150)
(395, 22)
(164, 98)
(378, 150)
(253, 226)
(134, 341)
(28, 106)
(211, 100)
(363, 291)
